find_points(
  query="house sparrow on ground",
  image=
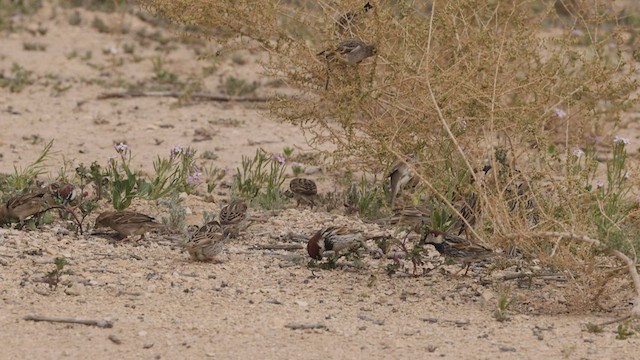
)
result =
(206, 242)
(401, 174)
(128, 223)
(349, 51)
(304, 191)
(414, 217)
(22, 207)
(65, 192)
(345, 22)
(334, 239)
(456, 248)
(233, 216)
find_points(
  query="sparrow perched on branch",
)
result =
(334, 239)
(206, 242)
(456, 248)
(24, 206)
(401, 174)
(304, 191)
(349, 51)
(127, 223)
(233, 216)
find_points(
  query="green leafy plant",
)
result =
(177, 212)
(53, 277)
(22, 178)
(260, 179)
(93, 175)
(19, 79)
(238, 87)
(624, 330)
(368, 197)
(504, 302)
(212, 176)
(178, 173)
(123, 181)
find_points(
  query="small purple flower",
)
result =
(599, 184)
(279, 158)
(560, 113)
(577, 32)
(176, 150)
(577, 152)
(194, 178)
(295, 163)
(121, 148)
(620, 140)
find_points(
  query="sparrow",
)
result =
(24, 206)
(401, 174)
(415, 217)
(65, 192)
(346, 20)
(206, 242)
(127, 223)
(456, 248)
(349, 51)
(304, 191)
(232, 217)
(469, 207)
(334, 239)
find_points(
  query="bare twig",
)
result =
(98, 323)
(300, 326)
(288, 247)
(174, 94)
(616, 320)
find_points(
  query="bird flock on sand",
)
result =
(205, 243)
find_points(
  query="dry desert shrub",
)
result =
(463, 83)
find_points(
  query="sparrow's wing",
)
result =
(131, 217)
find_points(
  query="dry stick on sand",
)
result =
(98, 323)
(195, 96)
(299, 326)
(288, 247)
(630, 264)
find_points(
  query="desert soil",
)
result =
(165, 306)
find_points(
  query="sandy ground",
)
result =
(165, 306)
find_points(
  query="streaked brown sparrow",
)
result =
(232, 217)
(24, 206)
(456, 248)
(207, 242)
(127, 223)
(349, 51)
(305, 191)
(414, 217)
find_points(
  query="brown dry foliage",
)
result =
(456, 83)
